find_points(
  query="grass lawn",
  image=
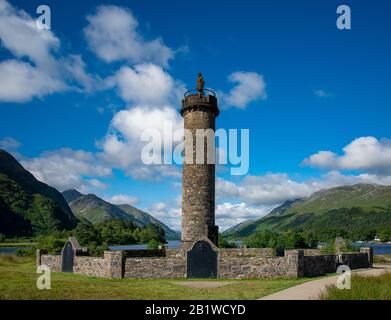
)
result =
(363, 288)
(18, 281)
(382, 258)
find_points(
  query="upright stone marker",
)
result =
(68, 253)
(202, 261)
(67, 256)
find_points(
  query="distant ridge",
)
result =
(96, 210)
(346, 207)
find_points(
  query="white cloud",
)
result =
(167, 212)
(66, 169)
(113, 36)
(150, 93)
(123, 199)
(274, 189)
(39, 69)
(230, 214)
(9, 144)
(250, 86)
(122, 145)
(147, 85)
(21, 82)
(365, 153)
(20, 35)
(322, 93)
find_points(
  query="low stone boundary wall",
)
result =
(252, 267)
(246, 252)
(322, 264)
(155, 268)
(90, 266)
(232, 263)
(354, 260)
(52, 261)
(318, 265)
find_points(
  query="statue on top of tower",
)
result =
(200, 83)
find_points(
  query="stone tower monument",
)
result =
(199, 110)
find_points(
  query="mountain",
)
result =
(71, 195)
(345, 207)
(146, 218)
(95, 210)
(28, 206)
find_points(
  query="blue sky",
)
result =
(308, 90)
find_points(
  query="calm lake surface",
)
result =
(171, 244)
(5, 250)
(378, 248)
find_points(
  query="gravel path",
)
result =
(312, 289)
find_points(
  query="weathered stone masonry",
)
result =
(198, 182)
(232, 263)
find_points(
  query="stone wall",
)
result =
(232, 263)
(252, 267)
(354, 260)
(113, 264)
(90, 266)
(318, 265)
(155, 268)
(323, 264)
(173, 253)
(294, 263)
(311, 252)
(52, 261)
(247, 252)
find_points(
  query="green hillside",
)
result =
(347, 208)
(28, 206)
(146, 218)
(96, 210)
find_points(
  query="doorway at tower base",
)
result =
(202, 260)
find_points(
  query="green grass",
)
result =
(18, 281)
(382, 258)
(362, 288)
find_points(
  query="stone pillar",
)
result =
(369, 252)
(295, 263)
(198, 187)
(113, 261)
(37, 257)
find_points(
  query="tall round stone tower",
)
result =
(199, 110)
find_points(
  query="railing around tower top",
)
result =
(202, 92)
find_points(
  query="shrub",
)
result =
(225, 244)
(21, 253)
(153, 244)
(50, 243)
(2, 237)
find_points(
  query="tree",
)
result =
(385, 235)
(153, 244)
(86, 233)
(225, 244)
(50, 243)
